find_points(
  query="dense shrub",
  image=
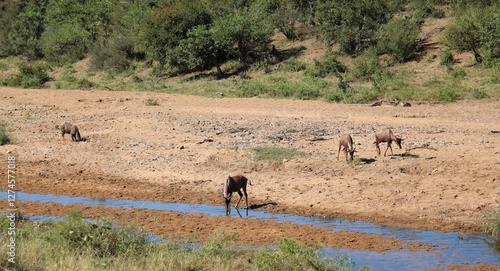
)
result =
(102, 239)
(65, 43)
(446, 94)
(4, 138)
(446, 58)
(30, 75)
(116, 54)
(368, 67)
(291, 255)
(477, 29)
(399, 38)
(293, 65)
(24, 36)
(328, 65)
(351, 24)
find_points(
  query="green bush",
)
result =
(85, 83)
(3, 66)
(65, 43)
(446, 58)
(479, 94)
(4, 138)
(114, 55)
(491, 224)
(399, 38)
(328, 65)
(24, 36)
(476, 29)
(457, 73)
(151, 102)
(446, 94)
(367, 67)
(291, 255)
(293, 65)
(351, 24)
(76, 244)
(102, 239)
(425, 9)
(30, 75)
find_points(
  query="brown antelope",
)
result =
(346, 142)
(235, 184)
(68, 128)
(386, 135)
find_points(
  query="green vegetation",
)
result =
(29, 76)
(151, 102)
(274, 153)
(4, 137)
(253, 48)
(491, 226)
(75, 244)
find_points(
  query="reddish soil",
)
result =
(444, 179)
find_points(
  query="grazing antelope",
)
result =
(346, 142)
(68, 128)
(235, 184)
(386, 135)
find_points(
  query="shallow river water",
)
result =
(453, 248)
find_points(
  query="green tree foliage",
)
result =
(201, 48)
(231, 34)
(114, 54)
(65, 42)
(29, 76)
(399, 38)
(94, 16)
(169, 23)
(9, 10)
(476, 30)
(74, 26)
(352, 24)
(26, 32)
(244, 31)
(284, 15)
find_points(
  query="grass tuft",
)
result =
(274, 153)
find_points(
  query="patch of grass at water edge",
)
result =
(76, 244)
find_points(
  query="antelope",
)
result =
(346, 142)
(235, 184)
(68, 128)
(386, 135)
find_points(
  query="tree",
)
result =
(246, 32)
(476, 30)
(399, 38)
(352, 24)
(169, 23)
(230, 35)
(201, 48)
(9, 11)
(26, 32)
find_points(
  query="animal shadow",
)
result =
(258, 206)
(367, 160)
